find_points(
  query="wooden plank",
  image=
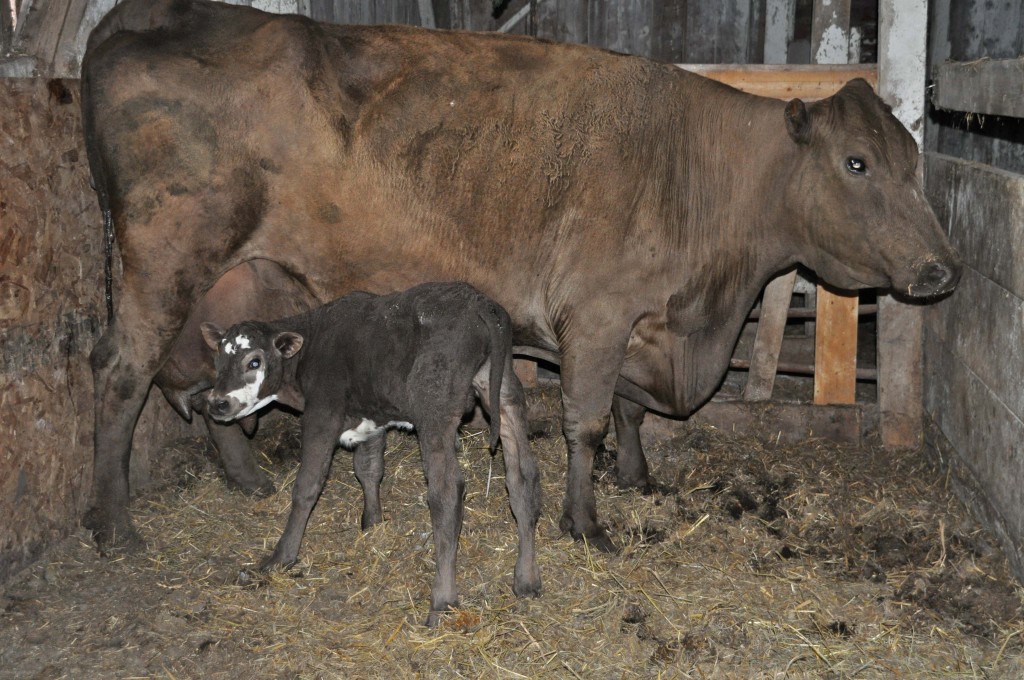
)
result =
(764, 358)
(987, 437)
(771, 421)
(623, 26)
(835, 338)
(39, 33)
(987, 86)
(786, 81)
(901, 55)
(835, 348)
(982, 325)
(830, 32)
(780, 18)
(668, 30)
(982, 208)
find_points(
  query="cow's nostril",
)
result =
(936, 278)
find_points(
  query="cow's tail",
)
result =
(500, 327)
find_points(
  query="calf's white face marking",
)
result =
(241, 342)
(248, 396)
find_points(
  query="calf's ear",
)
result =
(212, 334)
(798, 121)
(288, 343)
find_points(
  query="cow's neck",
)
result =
(734, 246)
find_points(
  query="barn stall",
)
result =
(806, 525)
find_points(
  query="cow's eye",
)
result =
(856, 165)
(254, 364)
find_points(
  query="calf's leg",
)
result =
(445, 488)
(368, 460)
(522, 476)
(319, 436)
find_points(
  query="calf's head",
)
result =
(250, 362)
(858, 201)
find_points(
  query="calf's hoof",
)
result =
(112, 530)
(646, 486)
(527, 586)
(275, 561)
(434, 617)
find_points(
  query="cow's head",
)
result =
(858, 199)
(250, 361)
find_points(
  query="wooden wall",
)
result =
(974, 341)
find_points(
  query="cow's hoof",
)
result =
(112, 532)
(647, 487)
(595, 535)
(259, 488)
(434, 617)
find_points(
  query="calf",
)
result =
(364, 363)
(257, 289)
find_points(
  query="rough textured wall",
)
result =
(51, 312)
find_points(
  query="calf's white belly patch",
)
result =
(367, 428)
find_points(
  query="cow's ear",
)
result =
(798, 121)
(212, 334)
(288, 343)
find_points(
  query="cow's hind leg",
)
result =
(445, 487)
(319, 436)
(240, 468)
(368, 460)
(122, 371)
(522, 476)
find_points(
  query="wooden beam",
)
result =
(764, 358)
(835, 337)
(835, 349)
(786, 81)
(902, 47)
(988, 86)
(771, 421)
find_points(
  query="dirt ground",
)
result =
(753, 561)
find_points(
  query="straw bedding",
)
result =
(752, 561)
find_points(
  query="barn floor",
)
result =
(808, 561)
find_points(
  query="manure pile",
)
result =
(752, 561)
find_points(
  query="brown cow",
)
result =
(626, 213)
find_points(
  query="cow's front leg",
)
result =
(630, 459)
(368, 460)
(240, 468)
(445, 488)
(319, 436)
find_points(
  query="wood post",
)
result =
(902, 46)
(835, 344)
(764, 359)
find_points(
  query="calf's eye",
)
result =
(856, 165)
(254, 364)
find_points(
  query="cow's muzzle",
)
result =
(936, 278)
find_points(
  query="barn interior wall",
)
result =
(974, 355)
(51, 313)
